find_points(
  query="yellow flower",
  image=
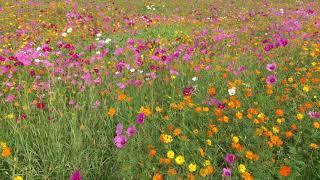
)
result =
(170, 154)
(192, 167)
(209, 142)
(167, 138)
(235, 139)
(158, 109)
(300, 116)
(10, 116)
(18, 178)
(207, 163)
(179, 160)
(306, 88)
(314, 146)
(290, 79)
(242, 168)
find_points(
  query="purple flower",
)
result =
(120, 141)
(230, 158)
(314, 115)
(226, 172)
(140, 118)
(271, 67)
(119, 129)
(131, 131)
(271, 79)
(75, 175)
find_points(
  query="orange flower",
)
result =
(6, 152)
(152, 153)
(212, 91)
(289, 134)
(177, 132)
(285, 171)
(172, 172)
(279, 112)
(157, 176)
(202, 153)
(111, 112)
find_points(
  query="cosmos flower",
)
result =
(230, 158)
(120, 141)
(271, 79)
(140, 118)
(271, 67)
(226, 172)
(131, 131)
(75, 175)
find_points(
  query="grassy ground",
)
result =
(61, 102)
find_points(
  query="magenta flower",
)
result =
(75, 175)
(119, 129)
(271, 79)
(131, 131)
(118, 51)
(120, 141)
(230, 158)
(140, 118)
(271, 67)
(314, 115)
(226, 172)
(10, 98)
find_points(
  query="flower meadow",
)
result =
(159, 89)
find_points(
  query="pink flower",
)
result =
(140, 118)
(271, 79)
(120, 141)
(271, 67)
(75, 175)
(131, 131)
(10, 98)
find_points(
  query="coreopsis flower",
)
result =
(285, 171)
(242, 168)
(192, 167)
(111, 112)
(179, 160)
(170, 154)
(18, 178)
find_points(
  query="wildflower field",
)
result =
(163, 89)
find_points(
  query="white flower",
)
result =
(37, 60)
(281, 11)
(117, 73)
(64, 34)
(140, 71)
(132, 70)
(98, 52)
(99, 35)
(107, 41)
(69, 30)
(38, 48)
(97, 39)
(194, 78)
(232, 91)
